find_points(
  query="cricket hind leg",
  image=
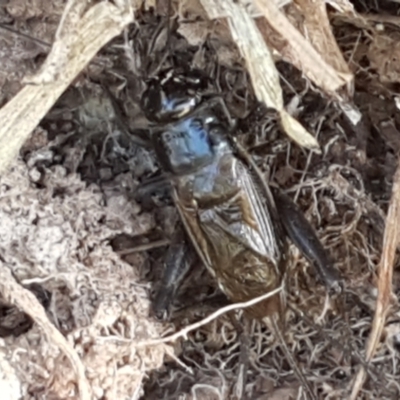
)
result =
(304, 237)
(177, 264)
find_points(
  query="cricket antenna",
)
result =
(167, 48)
(25, 36)
(168, 42)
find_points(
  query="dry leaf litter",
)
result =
(68, 207)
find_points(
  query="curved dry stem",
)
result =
(27, 302)
(385, 271)
(183, 332)
(76, 44)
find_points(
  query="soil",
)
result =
(75, 221)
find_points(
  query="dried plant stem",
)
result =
(27, 302)
(308, 59)
(260, 65)
(144, 247)
(79, 37)
(385, 272)
(183, 332)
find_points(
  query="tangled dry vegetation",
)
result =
(71, 219)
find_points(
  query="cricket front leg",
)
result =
(159, 185)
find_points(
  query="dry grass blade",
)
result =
(390, 243)
(302, 53)
(260, 65)
(319, 33)
(343, 6)
(76, 44)
(183, 332)
(26, 301)
(289, 356)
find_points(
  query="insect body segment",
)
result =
(235, 237)
(184, 146)
(170, 96)
(228, 212)
(229, 223)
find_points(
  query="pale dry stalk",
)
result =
(184, 332)
(260, 64)
(22, 298)
(385, 273)
(305, 56)
(80, 36)
(318, 31)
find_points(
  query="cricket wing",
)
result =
(240, 223)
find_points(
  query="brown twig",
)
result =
(144, 247)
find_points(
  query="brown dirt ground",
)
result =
(71, 220)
